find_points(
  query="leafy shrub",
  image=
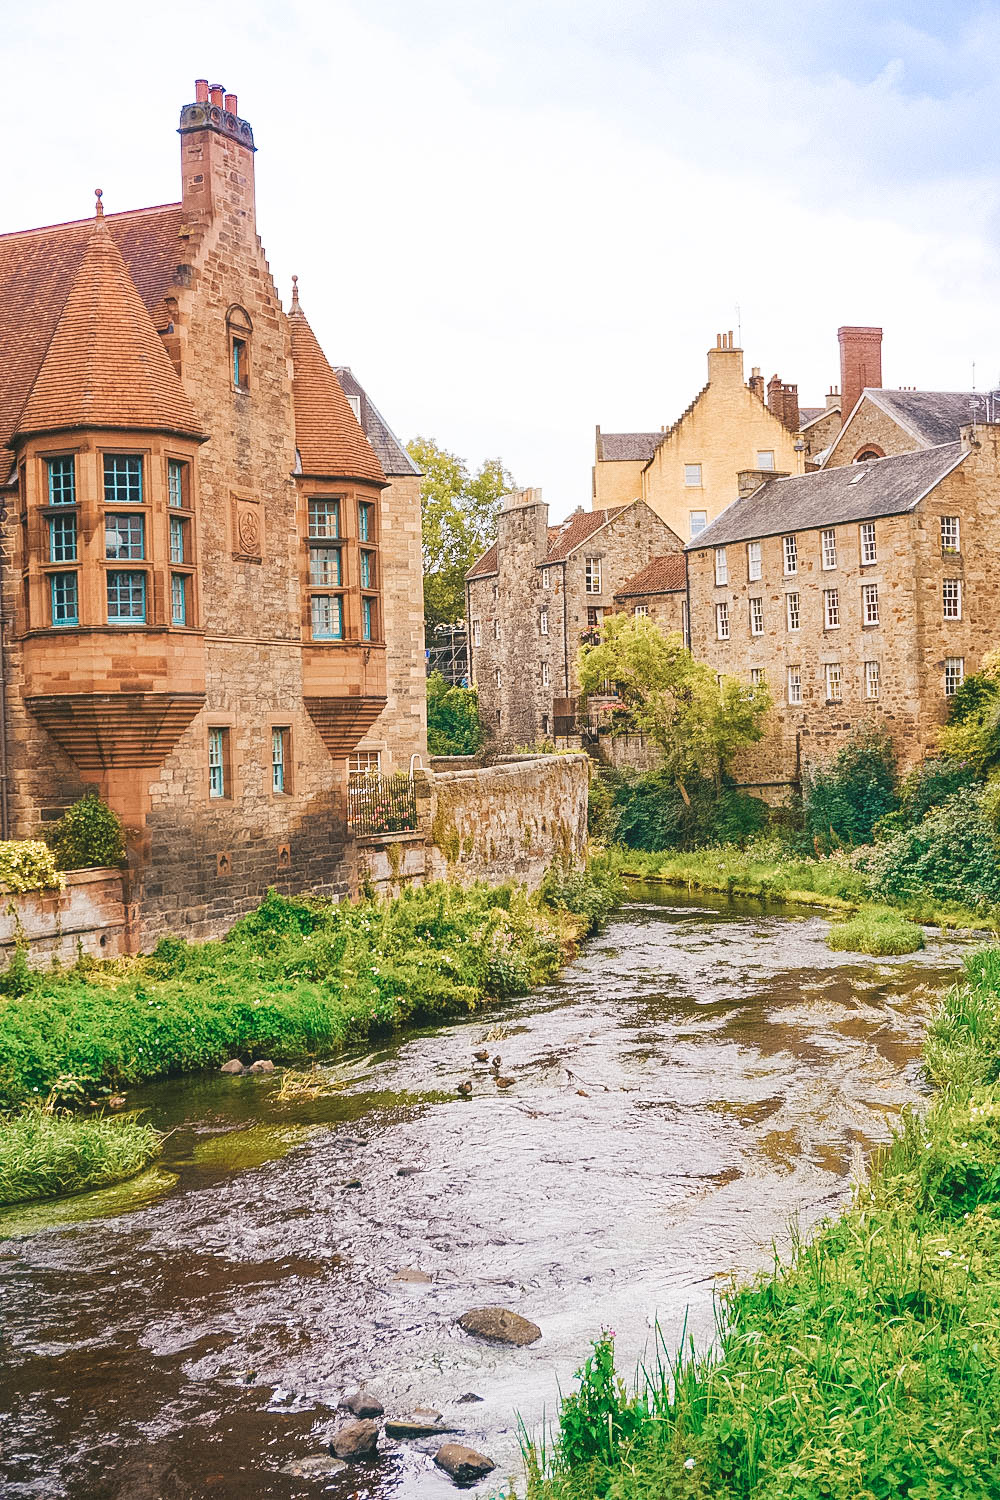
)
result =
(453, 724)
(28, 865)
(592, 893)
(88, 833)
(649, 812)
(596, 1419)
(951, 853)
(846, 797)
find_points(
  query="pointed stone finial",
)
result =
(295, 292)
(99, 210)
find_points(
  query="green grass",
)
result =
(875, 930)
(868, 1368)
(43, 1155)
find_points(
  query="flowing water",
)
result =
(698, 1078)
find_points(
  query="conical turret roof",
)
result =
(105, 365)
(327, 434)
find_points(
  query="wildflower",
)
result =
(689, 1463)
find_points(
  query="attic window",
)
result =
(239, 329)
(354, 402)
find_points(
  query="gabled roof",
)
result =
(486, 565)
(391, 454)
(831, 497)
(106, 365)
(618, 447)
(933, 417)
(328, 436)
(565, 538)
(809, 414)
(37, 268)
(661, 575)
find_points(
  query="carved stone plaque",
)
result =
(248, 530)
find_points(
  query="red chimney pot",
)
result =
(231, 103)
(201, 90)
(215, 93)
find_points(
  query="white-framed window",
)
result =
(950, 534)
(834, 682)
(756, 616)
(641, 610)
(497, 677)
(722, 621)
(795, 684)
(873, 679)
(757, 676)
(753, 561)
(831, 609)
(869, 552)
(721, 566)
(543, 622)
(477, 632)
(692, 476)
(592, 573)
(829, 540)
(546, 578)
(792, 615)
(765, 458)
(545, 674)
(496, 630)
(697, 521)
(790, 551)
(954, 674)
(869, 603)
(364, 763)
(951, 598)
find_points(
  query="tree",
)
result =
(699, 721)
(458, 521)
(972, 733)
(453, 726)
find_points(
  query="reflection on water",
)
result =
(697, 1078)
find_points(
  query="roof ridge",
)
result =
(124, 213)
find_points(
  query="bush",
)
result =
(88, 833)
(453, 725)
(28, 865)
(844, 799)
(592, 893)
(951, 854)
(649, 812)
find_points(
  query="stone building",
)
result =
(193, 553)
(532, 598)
(658, 591)
(687, 472)
(863, 592)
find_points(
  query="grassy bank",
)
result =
(44, 1155)
(866, 1369)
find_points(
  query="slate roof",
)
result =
(392, 455)
(932, 416)
(327, 433)
(106, 365)
(634, 446)
(661, 575)
(37, 269)
(831, 497)
(809, 414)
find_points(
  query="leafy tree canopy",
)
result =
(453, 726)
(458, 519)
(698, 721)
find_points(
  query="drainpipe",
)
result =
(687, 596)
(4, 792)
(565, 637)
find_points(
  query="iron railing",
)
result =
(381, 804)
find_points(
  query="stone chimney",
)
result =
(725, 361)
(783, 402)
(832, 398)
(217, 151)
(860, 364)
(756, 383)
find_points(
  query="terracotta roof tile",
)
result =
(661, 575)
(106, 365)
(327, 433)
(576, 529)
(486, 565)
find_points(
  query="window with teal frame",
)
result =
(367, 619)
(126, 597)
(65, 598)
(125, 537)
(325, 570)
(176, 483)
(178, 540)
(366, 520)
(216, 762)
(324, 518)
(178, 599)
(327, 617)
(122, 479)
(367, 570)
(62, 538)
(62, 481)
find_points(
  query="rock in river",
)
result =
(314, 1466)
(364, 1404)
(464, 1465)
(422, 1422)
(262, 1065)
(232, 1066)
(412, 1274)
(355, 1440)
(500, 1326)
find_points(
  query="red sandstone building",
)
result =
(193, 590)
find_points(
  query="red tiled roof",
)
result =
(37, 269)
(487, 564)
(661, 575)
(327, 433)
(576, 529)
(106, 365)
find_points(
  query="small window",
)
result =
(62, 538)
(869, 552)
(721, 566)
(641, 611)
(365, 763)
(756, 616)
(545, 674)
(218, 763)
(241, 364)
(722, 621)
(126, 597)
(795, 684)
(829, 549)
(593, 616)
(177, 484)
(869, 603)
(592, 569)
(834, 682)
(178, 599)
(872, 680)
(64, 598)
(125, 537)
(757, 676)
(546, 578)
(366, 520)
(368, 631)
(790, 550)
(327, 612)
(354, 402)
(692, 476)
(951, 594)
(954, 674)
(950, 534)
(179, 549)
(324, 518)
(831, 609)
(122, 479)
(325, 567)
(496, 592)
(697, 521)
(367, 570)
(753, 562)
(61, 473)
(543, 622)
(497, 676)
(279, 760)
(792, 611)
(765, 458)
(496, 630)
(477, 632)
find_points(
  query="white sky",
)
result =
(515, 220)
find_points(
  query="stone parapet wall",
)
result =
(89, 916)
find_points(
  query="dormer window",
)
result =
(354, 402)
(239, 328)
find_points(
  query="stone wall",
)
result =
(90, 915)
(870, 428)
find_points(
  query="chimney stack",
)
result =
(860, 364)
(217, 151)
(756, 383)
(783, 402)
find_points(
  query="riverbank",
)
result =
(866, 1369)
(293, 980)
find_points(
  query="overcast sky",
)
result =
(518, 218)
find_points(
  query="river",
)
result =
(699, 1077)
